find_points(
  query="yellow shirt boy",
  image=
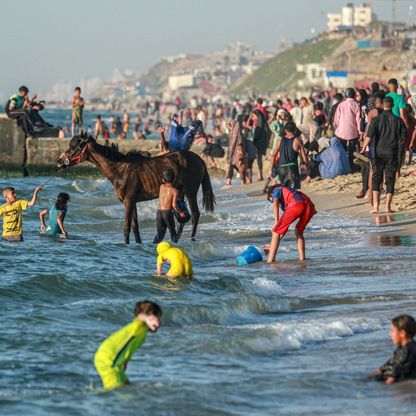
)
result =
(11, 212)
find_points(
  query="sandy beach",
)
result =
(338, 196)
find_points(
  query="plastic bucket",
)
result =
(250, 255)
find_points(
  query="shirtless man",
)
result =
(168, 196)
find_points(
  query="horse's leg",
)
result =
(195, 214)
(135, 225)
(128, 216)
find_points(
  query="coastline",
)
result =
(338, 196)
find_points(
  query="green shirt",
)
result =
(18, 100)
(119, 347)
(398, 101)
(53, 226)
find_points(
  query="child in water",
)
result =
(56, 219)
(402, 365)
(295, 205)
(168, 197)
(114, 353)
(179, 261)
(11, 212)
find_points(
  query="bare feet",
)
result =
(389, 210)
(374, 211)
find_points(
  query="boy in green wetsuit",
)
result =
(114, 353)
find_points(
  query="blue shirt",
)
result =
(53, 226)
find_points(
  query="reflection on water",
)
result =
(388, 219)
(392, 240)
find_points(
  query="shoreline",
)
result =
(327, 196)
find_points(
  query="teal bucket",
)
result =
(250, 255)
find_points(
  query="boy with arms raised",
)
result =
(11, 212)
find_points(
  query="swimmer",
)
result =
(295, 205)
(56, 214)
(115, 352)
(402, 365)
(11, 212)
(168, 202)
(179, 261)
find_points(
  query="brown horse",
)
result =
(137, 178)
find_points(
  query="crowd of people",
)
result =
(322, 136)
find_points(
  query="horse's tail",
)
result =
(208, 197)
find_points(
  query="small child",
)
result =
(114, 353)
(77, 109)
(179, 261)
(11, 212)
(402, 365)
(168, 197)
(57, 214)
(295, 206)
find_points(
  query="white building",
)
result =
(351, 16)
(181, 81)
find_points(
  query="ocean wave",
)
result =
(289, 335)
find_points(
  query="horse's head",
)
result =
(76, 153)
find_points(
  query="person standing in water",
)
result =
(168, 202)
(295, 205)
(11, 212)
(115, 352)
(56, 219)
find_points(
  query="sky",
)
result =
(45, 41)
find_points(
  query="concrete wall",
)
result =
(12, 144)
(38, 156)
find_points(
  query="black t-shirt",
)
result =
(386, 131)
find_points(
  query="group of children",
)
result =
(11, 212)
(114, 353)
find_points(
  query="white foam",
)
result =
(266, 287)
(290, 335)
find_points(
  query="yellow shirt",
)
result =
(180, 263)
(12, 217)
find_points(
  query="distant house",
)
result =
(351, 16)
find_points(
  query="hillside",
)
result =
(279, 73)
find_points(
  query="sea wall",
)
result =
(38, 156)
(12, 145)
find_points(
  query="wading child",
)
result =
(115, 352)
(179, 261)
(77, 109)
(402, 365)
(11, 212)
(295, 205)
(168, 197)
(56, 214)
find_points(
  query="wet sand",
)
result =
(338, 196)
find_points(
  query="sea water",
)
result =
(289, 338)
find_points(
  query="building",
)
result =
(351, 16)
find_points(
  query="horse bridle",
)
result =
(77, 159)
